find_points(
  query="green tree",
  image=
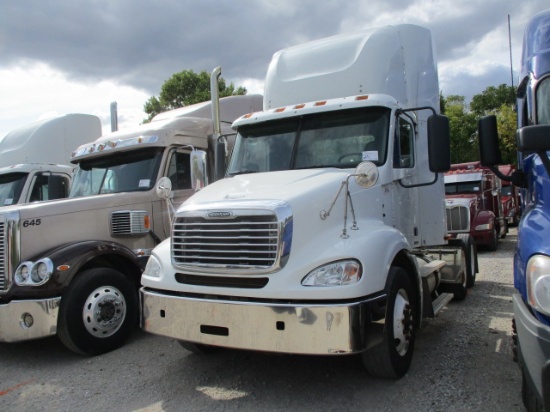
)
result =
(492, 98)
(463, 126)
(186, 88)
(507, 125)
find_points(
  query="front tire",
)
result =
(392, 357)
(98, 311)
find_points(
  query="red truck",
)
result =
(473, 201)
(510, 196)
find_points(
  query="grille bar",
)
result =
(244, 241)
(3, 276)
(458, 219)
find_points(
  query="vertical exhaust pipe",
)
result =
(219, 146)
(114, 117)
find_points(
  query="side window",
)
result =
(179, 171)
(403, 156)
(48, 186)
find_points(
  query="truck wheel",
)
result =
(528, 396)
(494, 241)
(470, 250)
(197, 348)
(98, 312)
(504, 229)
(392, 357)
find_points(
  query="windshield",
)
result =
(463, 187)
(120, 172)
(543, 102)
(339, 139)
(11, 186)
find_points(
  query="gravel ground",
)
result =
(463, 362)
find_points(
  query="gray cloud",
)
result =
(142, 43)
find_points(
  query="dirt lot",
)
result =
(463, 362)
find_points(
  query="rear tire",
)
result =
(493, 246)
(98, 312)
(470, 250)
(392, 357)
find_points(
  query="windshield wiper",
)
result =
(242, 172)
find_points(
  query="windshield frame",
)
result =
(310, 141)
(12, 184)
(113, 173)
(542, 101)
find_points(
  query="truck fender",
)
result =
(71, 259)
(388, 246)
(485, 217)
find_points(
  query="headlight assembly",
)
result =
(34, 273)
(538, 283)
(343, 272)
(152, 269)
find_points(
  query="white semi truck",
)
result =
(328, 235)
(72, 267)
(35, 159)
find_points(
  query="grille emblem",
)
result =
(220, 215)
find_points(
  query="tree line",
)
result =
(187, 87)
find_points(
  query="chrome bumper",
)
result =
(42, 314)
(314, 329)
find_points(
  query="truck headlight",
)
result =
(152, 269)
(22, 273)
(343, 272)
(41, 271)
(487, 226)
(34, 273)
(538, 283)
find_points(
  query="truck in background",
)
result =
(72, 267)
(532, 257)
(474, 205)
(316, 242)
(35, 159)
(511, 203)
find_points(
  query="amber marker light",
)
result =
(321, 103)
(146, 222)
(362, 97)
(63, 268)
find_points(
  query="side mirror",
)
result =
(533, 138)
(199, 176)
(164, 187)
(439, 143)
(489, 150)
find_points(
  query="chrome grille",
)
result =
(3, 272)
(458, 219)
(242, 241)
(129, 222)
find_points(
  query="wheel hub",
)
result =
(403, 322)
(104, 311)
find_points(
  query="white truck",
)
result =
(35, 159)
(72, 267)
(328, 235)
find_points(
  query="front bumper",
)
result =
(315, 329)
(534, 350)
(41, 313)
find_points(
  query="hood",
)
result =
(318, 186)
(460, 200)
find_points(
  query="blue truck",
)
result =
(532, 257)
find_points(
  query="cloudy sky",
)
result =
(78, 56)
